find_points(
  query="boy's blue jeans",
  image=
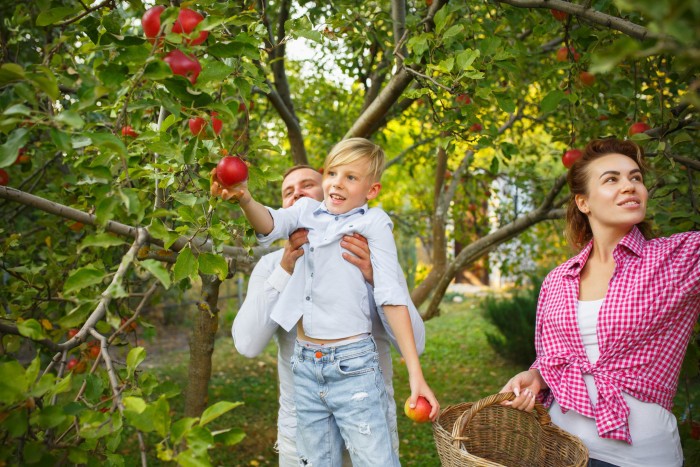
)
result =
(341, 400)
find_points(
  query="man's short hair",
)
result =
(295, 168)
(352, 149)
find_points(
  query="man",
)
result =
(253, 328)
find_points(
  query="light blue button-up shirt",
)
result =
(328, 291)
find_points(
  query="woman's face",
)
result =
(617, 197)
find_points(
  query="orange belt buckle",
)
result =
(319, 354)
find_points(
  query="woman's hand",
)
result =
(525, 385)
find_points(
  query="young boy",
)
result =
(340, 395)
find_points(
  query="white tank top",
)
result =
(654, 431)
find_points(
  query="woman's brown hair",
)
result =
(578, 229)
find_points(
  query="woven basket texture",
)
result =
(487, 434)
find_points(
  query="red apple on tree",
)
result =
(559, 15)
(186, 21)
(4, 178)
(197, 126)
(127, 131)
(421, 412)
(72, 333)
(216, 123)
(638, 127)
(183, 65)
(231, 170)
(463, 99)
(476, 128)
(563, 54)
(571, 156)
(587, 79)
(150, 21)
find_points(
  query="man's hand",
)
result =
(238, 192)
(359, 255)
(293, 250)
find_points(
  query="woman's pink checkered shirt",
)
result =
(652, 303)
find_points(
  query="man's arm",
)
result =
(252, 328)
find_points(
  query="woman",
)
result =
(614, 321)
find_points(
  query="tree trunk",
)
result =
(202, 347)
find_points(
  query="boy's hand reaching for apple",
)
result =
(238, 192)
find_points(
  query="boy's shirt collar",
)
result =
(323, 209)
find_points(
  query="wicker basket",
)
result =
(487, 434)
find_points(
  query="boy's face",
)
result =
(348, 186)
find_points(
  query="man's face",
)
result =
(301, 183)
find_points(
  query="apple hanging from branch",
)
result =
(187, 21)
(638, 127)
(571, 156)
(150, 22)
(183, 65)
(231, 170)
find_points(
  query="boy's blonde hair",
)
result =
(352, 149)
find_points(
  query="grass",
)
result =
(458, 364)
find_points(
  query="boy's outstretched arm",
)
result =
(257, 214)
(400, 323)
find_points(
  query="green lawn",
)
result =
(458, 364)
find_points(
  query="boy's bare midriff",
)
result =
(302, 336)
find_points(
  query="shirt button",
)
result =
(311, 249)
(308, 298)
(312, 274)
(336, 217)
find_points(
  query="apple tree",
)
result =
(110, 125)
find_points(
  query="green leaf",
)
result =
(100, 240)
(10, 72)
(608, 58)
(181, 428)
(466, 57)
(217, 410)
(216, 71)
(50, 416)
(158, 270)
(134, 404)
(13, 382)
(61, 386)
(109, 143)
(161, 416)
(134, 359)
(552, 100)
(159, 231)
(105, 210)
(455, 30)
(210, 263)
(10, 150)
(70, 118)
(188, 199)
(189, 458)
(18, 109)
(229, 437)
(83, 277)
(31, 328)
(54, 15)
(185, 266)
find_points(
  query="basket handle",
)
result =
(463, 420)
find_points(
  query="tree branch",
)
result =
(118, 228)
(613, 22)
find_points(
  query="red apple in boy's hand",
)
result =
(421, 412)
(231, 170)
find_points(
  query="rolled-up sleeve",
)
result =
(285, 221)
(686, 263)
(388, 290)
